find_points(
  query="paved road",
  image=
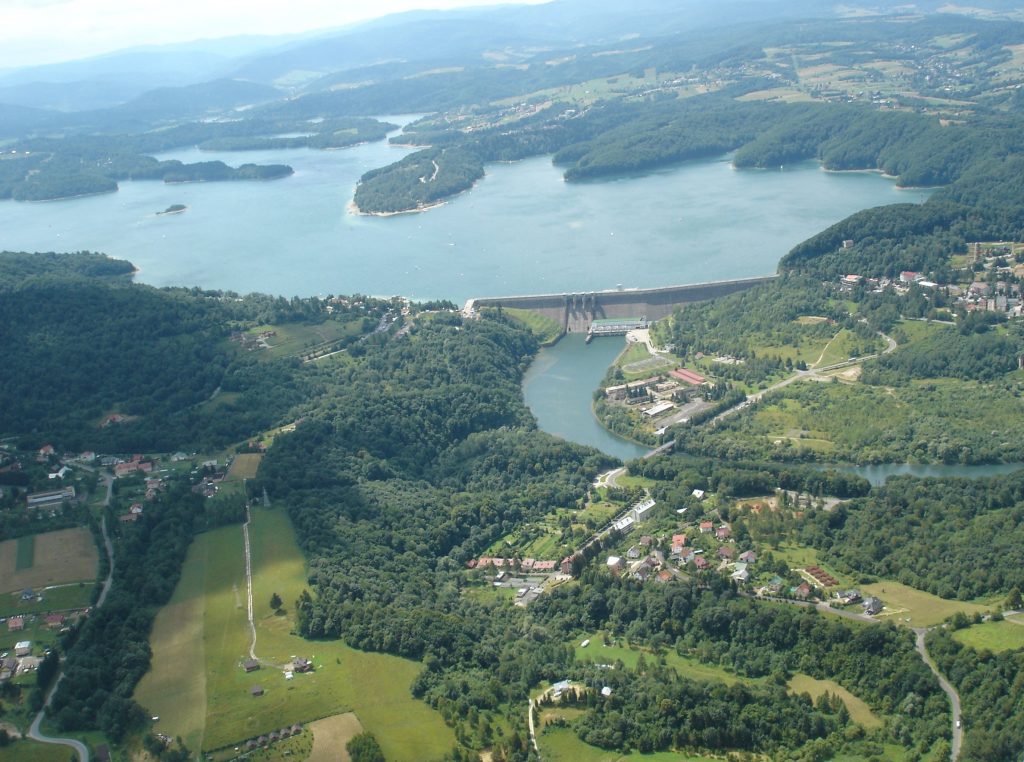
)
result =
(954, 697)
(34, 733)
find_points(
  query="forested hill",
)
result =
(81, 342)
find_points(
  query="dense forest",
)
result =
(81, 346)
(956, 538)
(418, 180)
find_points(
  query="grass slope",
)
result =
(213, 588)
(67, 555)
(174, 693)
(993, 636)
(859, 711)
(922, 609)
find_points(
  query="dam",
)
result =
(576, 312)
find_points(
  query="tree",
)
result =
(275, 602)
(1013, 600)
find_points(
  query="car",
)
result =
(958, 723)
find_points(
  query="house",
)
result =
(23, 648)
(54, 621)
(726, 552)
(128, 518)
(646, 540)
(527, 564)
(687, 555)
(741, 574)
(641, 509)
(699, 494)
(256, 690)
(664, 576)
(566, 565)
(774, 586)
(614, 564)
(62, 473)
(545, 566)
(302, 665)
(701, 563)
(678, 543)
(748, 556)
(250, 665)
(801, 591)
(872, 606)
(909, 276)
(633, 552)
(723, 532)
(850, 280)
(16, 624)
(706, 527)
(846, 597)
(87, 457)
(46, 451)
(606, 691)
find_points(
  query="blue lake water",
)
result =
(522, 229)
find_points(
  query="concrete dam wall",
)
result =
(575, 312)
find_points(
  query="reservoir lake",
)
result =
(521, 230)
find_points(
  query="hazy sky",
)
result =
(45, 31)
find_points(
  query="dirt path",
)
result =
(248, 581)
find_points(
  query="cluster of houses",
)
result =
(1003, 296)
(276, 735)
(253, 341)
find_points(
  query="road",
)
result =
(34, 733)
(954, 697)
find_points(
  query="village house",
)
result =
(54, 621)
(741, 574)
(872, 606)
(678, 543)
(723, 532)
(707, 527)
(16, 624)
(801, 592)
(302, 665)
(615, 565)
(726, 552)
(23, 648)
(748, 556)
(701, 563)
(250, 665)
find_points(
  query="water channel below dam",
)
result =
(559, 388)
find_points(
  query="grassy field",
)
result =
(71, 596)
(297, 339)
(244, 466)
(546, 330)
(916, 608)
(562, 745)
(330, 736)
(992, 636)
(30, 751)
(176, 695)
(693, 669)
(374, 686)
(859, 711)
(68, 555)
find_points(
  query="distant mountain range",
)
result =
(195, 77)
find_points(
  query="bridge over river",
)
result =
(575, 312)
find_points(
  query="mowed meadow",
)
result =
(197, 686)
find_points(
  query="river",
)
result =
(559, 388)
(521, 230)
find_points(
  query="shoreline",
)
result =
(355, 210)
(66, 198)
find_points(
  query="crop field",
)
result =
(373, 686)
(68, 555)
(993, 636)
(859, 711)
(916, 608)
(31, 751)
(244, 466)
(330, 736)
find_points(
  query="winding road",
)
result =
(33, 732)
(954, 697)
